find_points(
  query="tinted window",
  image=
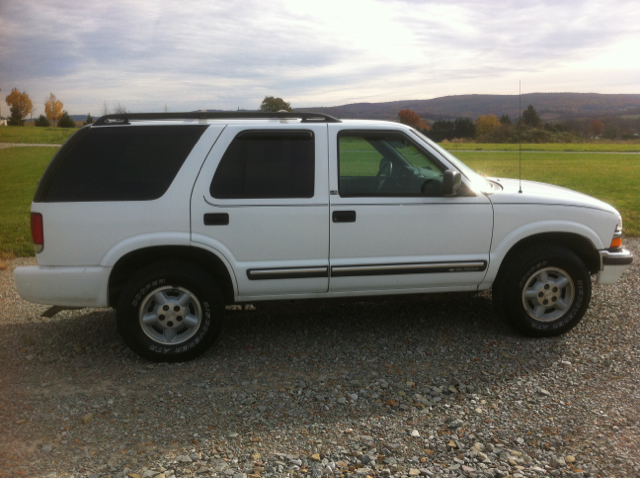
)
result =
(267, 164)
(381, 163)
(128, 163)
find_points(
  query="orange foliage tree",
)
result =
(20, 102)
(411, 118)
(596, 127)
(486, 124)
(53, 108)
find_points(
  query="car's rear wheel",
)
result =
(544, 290)
(170, 312)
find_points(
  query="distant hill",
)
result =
(550, 106)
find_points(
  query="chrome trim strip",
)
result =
(621, 257)
(288, 273)
(408, 268)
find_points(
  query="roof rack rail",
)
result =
(125, 118)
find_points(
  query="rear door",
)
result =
(261, 202)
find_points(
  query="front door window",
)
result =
(384, 163)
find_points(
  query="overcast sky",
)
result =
(213, 54)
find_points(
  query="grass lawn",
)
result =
(582, 147)
(614, 179)
(32, 134)
(20, 171)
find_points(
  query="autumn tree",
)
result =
(411, 118)
(530, 117)
(271, 104)
(596, 127)
(66, 121)
(19, 104)
(53, 108)
(486, 124)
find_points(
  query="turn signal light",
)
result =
(616, 243)
(37, 232)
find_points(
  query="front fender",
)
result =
(500, 249)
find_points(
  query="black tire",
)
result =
(543, 291)
(183, 308)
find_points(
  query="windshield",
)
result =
(479, 180)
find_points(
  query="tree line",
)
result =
(529, 128)
(20, 106)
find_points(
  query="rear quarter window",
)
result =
(124, 163)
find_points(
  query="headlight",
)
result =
(616, 242)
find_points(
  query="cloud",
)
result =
(224, 54)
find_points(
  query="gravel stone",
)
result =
(328, 391)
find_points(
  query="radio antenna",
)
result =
(520, 135)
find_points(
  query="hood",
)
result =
(542, 193)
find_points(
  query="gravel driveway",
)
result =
(401, 388)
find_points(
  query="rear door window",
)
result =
(267, 164)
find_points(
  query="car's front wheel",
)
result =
(170, 312)
(543, 291)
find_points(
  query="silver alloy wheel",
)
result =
(548, 294)
(170, 315)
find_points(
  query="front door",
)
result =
(391, 226)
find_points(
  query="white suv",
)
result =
(169, 217)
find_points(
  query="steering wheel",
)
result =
(384, 172)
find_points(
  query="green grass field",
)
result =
(581, 147)
(20, 171)
(31, 134)
(612, 178)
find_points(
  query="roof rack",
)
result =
(125, 118)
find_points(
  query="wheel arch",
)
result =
(131, 262)
(580, 245)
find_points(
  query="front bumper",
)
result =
(613, 264)
(79, 286)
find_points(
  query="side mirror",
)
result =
(451, 182)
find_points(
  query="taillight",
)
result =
(37, 232)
